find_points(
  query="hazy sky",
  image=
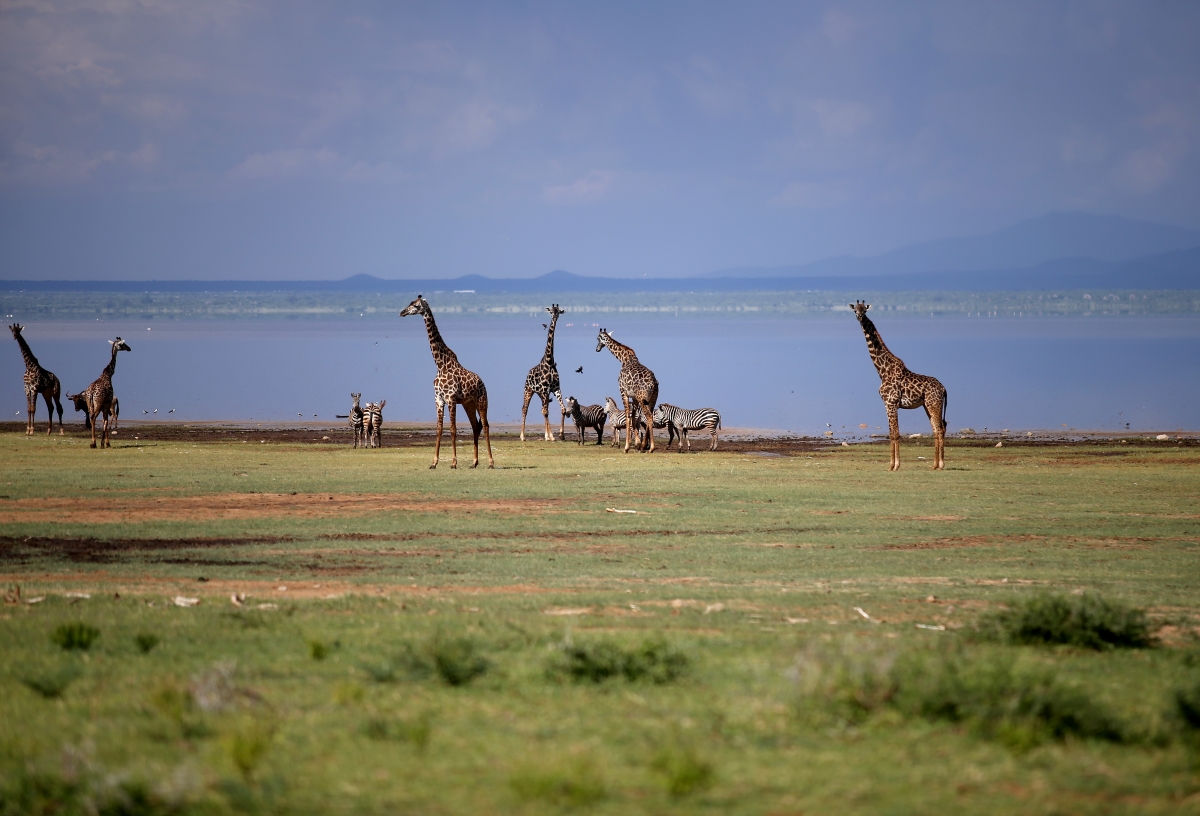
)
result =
(227, 139)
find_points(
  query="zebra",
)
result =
(616, 418)
(587, 416)
(374, 422)
(680, 421)
(356, 421)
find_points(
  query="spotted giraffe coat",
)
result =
(99, 395)
(38, 381)
(543, 380)
(638, 385)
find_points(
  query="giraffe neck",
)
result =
(441, 352)
(883, 359)
(111, 368)
(548, 357)
(622, 353)
(31, 363)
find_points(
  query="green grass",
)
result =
(496, 641)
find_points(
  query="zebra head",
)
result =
(571, 405)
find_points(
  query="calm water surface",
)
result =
(795, 374)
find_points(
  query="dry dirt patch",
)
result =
(226, 506)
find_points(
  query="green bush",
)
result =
(1022, 707)
(1087, 621)
(457, 660)
(146, 642)
(655, 660)
(846, 684)
(684, 771)
(416, 731)
(77, 635)
(51, 684)
(1187, 702)
(574, 786)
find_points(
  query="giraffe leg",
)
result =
(524, 411)
(104, 443)
(471, 410)
(49, 410)
(93, 415)
(30, 419)
(628, 421)
(453, 435)
(893, 413)
(61, 430)
(939, 436)
(437, 446)
(487, 432)
(546, 416)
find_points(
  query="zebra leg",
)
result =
(562, 418)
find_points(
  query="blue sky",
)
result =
(228, 139)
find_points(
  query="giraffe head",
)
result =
(16, 328)
(420, 306)
(119, 345)
(602, 339)
(860, 309)
(554, 310)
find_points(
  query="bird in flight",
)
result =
(544, 326)
(156, 410)
(579, 370)
(171, 411)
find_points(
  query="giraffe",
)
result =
(99, 395)
(901, 388)
(38, 381)
(453, 385)
(543, 381)
(639, 387)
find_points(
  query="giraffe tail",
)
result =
(945, 404)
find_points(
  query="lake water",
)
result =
(785, 373)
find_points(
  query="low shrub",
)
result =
(684, 772)
(457, 660)
(575, 786)
(75, 636)
(1187, 702)
(247, 745)
(1021, 706)
(146, 642)
(52, 683)
(654, 660)
(416, 731)
(318, 649)
(1087, 621)
(845, 684)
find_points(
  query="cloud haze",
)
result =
(226, 139)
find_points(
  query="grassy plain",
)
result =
(368, 585)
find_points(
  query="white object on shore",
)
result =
(237, 598)
(179, 600)
(999, 444)
(914, 436)
(615, 510)
(76, 595)
(931, 628)
(1162, 436)
(860, 611)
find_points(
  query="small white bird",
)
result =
(156, 410)
(144, 411)
(314, 416)
(299, 414)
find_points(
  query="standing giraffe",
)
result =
(38, 381)
(639, 387)
(453, 385)
(99, 395)
(543, 381)
(901, 388)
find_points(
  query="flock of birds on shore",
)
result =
(638, 413)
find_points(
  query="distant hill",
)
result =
(1178, 269)
(1029, 243)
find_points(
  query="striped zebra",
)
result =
(373, 422)
(587, 416)
(680, 421)
(616, 418)
(356, 421)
